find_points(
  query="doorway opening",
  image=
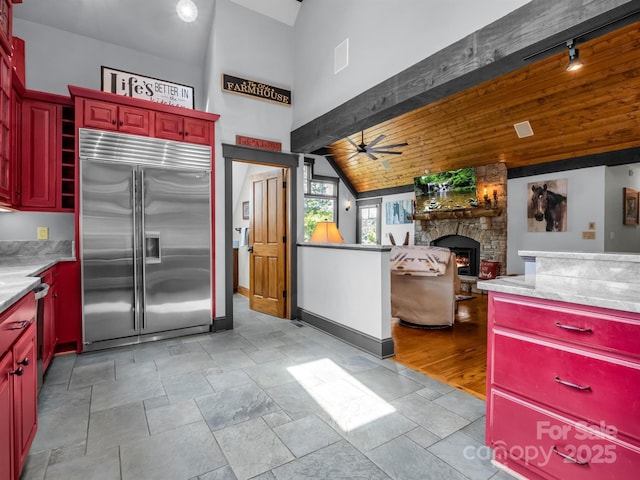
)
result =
(286, 286)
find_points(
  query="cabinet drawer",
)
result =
(15, 320)
(581, 325)
(537, 439)
(580, 383)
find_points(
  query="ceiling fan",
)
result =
(373, 148)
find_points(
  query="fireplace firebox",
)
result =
(467, 252)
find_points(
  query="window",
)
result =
(320, 199)
(369, 221)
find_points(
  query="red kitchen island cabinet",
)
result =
(563, 374)
(18, 385)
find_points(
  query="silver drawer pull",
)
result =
(20, 325)
(572, 385)
(575, 329)
(569, 458)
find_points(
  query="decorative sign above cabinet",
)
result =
(258, 143)
(146, 88)
(259, 90)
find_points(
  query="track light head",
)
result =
(574, 57)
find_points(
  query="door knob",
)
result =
(250, 249)
(24, 362)
(17, 372)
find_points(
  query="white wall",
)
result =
(585, 203)
(349, 287)
(55, 59)
(248, 45)
(620, 237)
(24, 225)
(384, 39)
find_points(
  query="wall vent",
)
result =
(523, 129)
(341, 56)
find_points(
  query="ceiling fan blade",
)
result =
(371, 156)
(395, 145)
(378, 139)
(354, 155)
(385, 152)
(354, 144)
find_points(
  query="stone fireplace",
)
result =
(487, 227)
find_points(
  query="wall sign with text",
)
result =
(146, 88)
(253, 89)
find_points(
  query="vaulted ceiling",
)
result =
(592, 110)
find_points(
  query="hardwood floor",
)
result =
(456, 355)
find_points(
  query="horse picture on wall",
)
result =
(547, 208)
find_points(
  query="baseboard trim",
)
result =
(221, 323)
(244, 291)
(380, 348)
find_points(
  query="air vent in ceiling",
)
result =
(523, 129)
(341, 56)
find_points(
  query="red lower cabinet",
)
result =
(563, 389)
(18, 385)
(6, 417)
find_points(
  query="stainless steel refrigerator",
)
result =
(145, 238)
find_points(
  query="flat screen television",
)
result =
(451, 190)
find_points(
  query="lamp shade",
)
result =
(326, 232)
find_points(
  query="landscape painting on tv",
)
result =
(451, 190)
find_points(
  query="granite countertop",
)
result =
(19, 275)
(618, 296)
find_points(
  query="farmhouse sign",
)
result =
(146, 88)
(259, 90)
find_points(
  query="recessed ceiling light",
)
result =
(187, 10)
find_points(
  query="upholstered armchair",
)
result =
(423, 289)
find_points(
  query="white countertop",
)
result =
(625, 297)
(18, 275)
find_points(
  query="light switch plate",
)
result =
(592, 225)
(43, 233)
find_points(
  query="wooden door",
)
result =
(267, 257)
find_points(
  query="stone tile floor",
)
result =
(267, 400)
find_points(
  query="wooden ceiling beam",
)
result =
(497, 49)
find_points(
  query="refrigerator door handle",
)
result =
(144, 255)
(136, 293)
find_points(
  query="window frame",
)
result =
(368, 203)
(308, 178)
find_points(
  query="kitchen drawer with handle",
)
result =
(553, 447)
(579, 382)
(577, 324)
(15, 320)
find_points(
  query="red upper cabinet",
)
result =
(123, 118)
(7, 173)
(40, 154)
(6, 20)
(183, 129)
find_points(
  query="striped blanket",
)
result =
(419, 260)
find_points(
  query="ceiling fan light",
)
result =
(187, 10)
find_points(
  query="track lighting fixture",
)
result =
(574, 57)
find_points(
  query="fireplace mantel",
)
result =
(454, 214)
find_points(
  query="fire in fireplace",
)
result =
(467, 252)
